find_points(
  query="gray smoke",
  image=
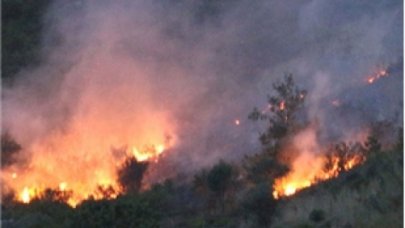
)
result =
(207, 63)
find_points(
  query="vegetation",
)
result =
(224, 195)
(130, 175)
(229, 195)
(284, 108)
(370, 195)
(219, 181)
(367, 196)
(259, 204)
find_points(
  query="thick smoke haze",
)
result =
(123, 74)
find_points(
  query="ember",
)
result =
(377, 75)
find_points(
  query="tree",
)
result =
(281, 115)
(107, 192)
(9, 149)
(131, 174)
(282, 120)
(219, 180)
(260, 204)
(124, 211)
(200, 182)
(263, 167)
(54, 195)
(372, 145)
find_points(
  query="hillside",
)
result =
(370, 195)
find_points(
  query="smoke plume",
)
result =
(132, 74)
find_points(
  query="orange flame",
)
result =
(295, 181)
(312, 167)
(115, 106)
(81, 165)
(80, 190)
(26, 195)
(150, 153)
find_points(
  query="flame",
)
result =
(311, 173)
(311, 166)
(237, 122)
(83, 158)
(282, 105)
(27, 194)
(371, 79)
(377, 75)
(62, 186)
(113, 112)
(81, 189)
(149, 153)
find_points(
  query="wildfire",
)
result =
(79, 151)
(237, 122)
(81, 167)
(103, 186)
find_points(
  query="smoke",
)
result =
(124, 74)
